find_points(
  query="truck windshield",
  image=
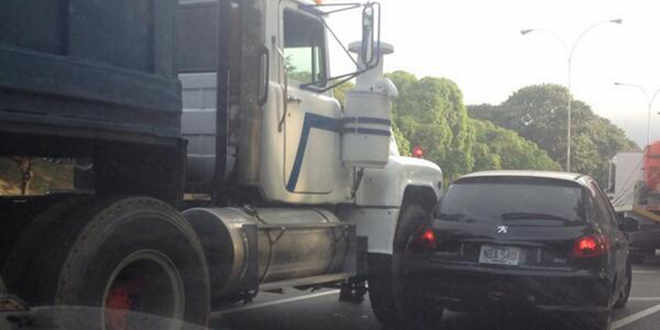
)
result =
(514, 202)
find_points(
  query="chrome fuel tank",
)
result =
(290, 244)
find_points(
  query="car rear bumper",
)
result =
(471, 288)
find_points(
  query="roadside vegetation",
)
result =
(527, 131)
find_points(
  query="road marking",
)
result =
(644, 298)
(635, 317)
(642, 272)
(271, 303)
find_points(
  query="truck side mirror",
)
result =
(369, 46)
(628, 224)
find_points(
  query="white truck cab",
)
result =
(262, 113)
(303, 147)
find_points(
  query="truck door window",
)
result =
(304, 48)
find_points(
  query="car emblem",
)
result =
(502, 229)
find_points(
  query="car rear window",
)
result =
(520, 201)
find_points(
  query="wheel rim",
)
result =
(144, 282)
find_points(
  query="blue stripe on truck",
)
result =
(311, 121)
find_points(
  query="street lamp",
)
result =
(649, 103)
(570, 51)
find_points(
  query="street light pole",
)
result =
(649, 105)
(569, 70)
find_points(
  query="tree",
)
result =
(500, 148)
(340, 92)
(539, 113)
(430, 113)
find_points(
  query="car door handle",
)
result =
(293, 99)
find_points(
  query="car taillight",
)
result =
(424, 240)
(590, 246)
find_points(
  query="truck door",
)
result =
(312, 119)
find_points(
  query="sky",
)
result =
(478, 45)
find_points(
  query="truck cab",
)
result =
(281, 130)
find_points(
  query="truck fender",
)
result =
(383, 193)
(387, 187)
(380, 224)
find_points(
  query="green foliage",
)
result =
(539, 113)
(340, 91)
(500, 148)
(430, 113)
(401, 141)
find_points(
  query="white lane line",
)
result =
(635, 317)
(271, 303)
(642, 272)
(644, 299)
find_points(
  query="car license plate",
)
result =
(499, 255)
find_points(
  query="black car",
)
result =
(522, 241)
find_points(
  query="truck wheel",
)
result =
(132, 257)
(381, 293)
(30, 240)
(418, 311)
(394, 303)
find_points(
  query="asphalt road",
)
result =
(321, 310)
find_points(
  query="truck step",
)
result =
(320, 279)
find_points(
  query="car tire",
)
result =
(585, 321)
(107, 253)
(599, 321)
(625, 294)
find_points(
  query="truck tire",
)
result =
(394, 303)
(416, 311)
(380, 290)
(30, 240)
(130, 256)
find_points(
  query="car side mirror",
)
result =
(628, 224)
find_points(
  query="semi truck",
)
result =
(635, 195)
(213, 161)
